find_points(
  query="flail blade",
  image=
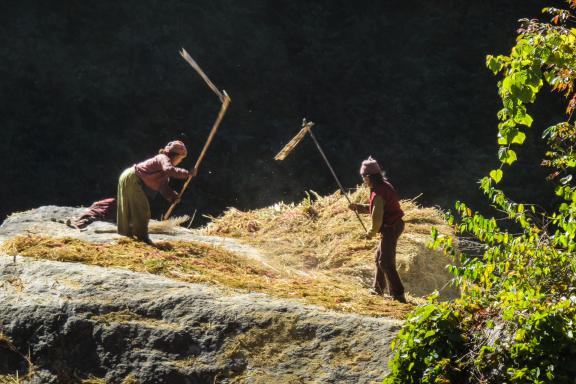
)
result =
(203, 75)
(306, 126)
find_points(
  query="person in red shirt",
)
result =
(144, 180)
(102, 210)
(386, 214)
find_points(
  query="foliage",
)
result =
(515, 321)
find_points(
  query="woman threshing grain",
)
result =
(387, 220)
(144, 180)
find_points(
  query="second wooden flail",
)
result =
(288, 148)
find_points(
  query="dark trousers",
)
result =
(386, 273)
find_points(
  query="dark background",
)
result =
(89, 88)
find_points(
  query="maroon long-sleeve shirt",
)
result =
(156, 172)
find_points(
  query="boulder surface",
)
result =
(77, 322)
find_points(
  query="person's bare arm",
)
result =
(377, 216)
(360, 208)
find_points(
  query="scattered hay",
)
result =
(94, 380)
(10, 379)
(98, 380)
(315, 251)
(199, 263)
(130, 379)
(7, 344)
(321, 235)
(128, 317)
(169, 226)
(5, 340)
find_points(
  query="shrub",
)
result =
(515, 320)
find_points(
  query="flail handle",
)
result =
(221, 114)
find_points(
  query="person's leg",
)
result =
(139, 210)
(82, 222)
(388, 260)
(123, 209)
(379, 284)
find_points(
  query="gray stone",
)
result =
(78, 321)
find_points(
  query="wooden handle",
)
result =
(221, 114)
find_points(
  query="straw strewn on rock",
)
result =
(320, 235)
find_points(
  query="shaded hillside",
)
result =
(90, 88)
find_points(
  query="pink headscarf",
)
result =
(177, 147)
(370, 167)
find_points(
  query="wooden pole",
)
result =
(225, 99)
(335, 177)
(288, 148)
(221, 114)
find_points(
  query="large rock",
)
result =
(78, 321)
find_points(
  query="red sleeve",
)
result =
(168, 193)
(172, 171)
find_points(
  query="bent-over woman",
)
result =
(144, 180)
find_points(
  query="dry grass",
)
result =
(98, 380)
(314, 251)
(94, 380)
(5, 340)
(158, 226)
(167, 226)
(7, 343)
(198, 263)
(321, 235)
(10, 379)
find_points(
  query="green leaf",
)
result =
(502, 153)
(510, 157)
(525, 119)
(519, 138)
(549, 76)
(434, 233)
(496, 175)
(493, 64)
(430, 333)
(566, 180)
(515, 84)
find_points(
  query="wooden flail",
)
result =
(288, 148)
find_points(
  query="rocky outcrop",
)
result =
(77, 322)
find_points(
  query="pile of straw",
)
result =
(315, 251)
(320, 235)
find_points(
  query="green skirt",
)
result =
(133, 206)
